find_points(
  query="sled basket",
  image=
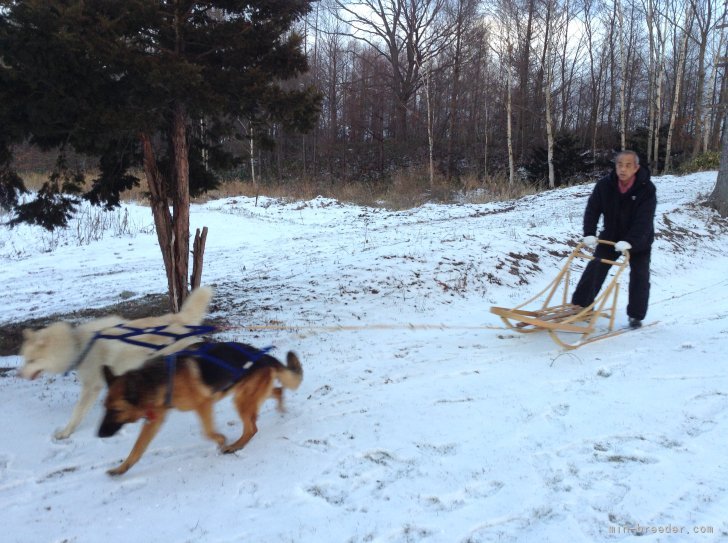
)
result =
(563, 318)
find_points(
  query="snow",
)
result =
(419, 418)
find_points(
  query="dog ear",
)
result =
(109, 375)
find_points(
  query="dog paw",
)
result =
(229, 449)
(61, 434)
(117, 471)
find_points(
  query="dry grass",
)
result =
(34, 181)
(495, 189)
(407, 189)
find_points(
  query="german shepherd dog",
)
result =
(62, 347)
(196, 379)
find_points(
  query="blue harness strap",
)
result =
(153, 331)
(171, 363)
(202, 353)
(194, 330)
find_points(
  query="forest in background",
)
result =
(509, 90)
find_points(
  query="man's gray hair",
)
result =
(628, 152)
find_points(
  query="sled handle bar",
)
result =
(578, 252)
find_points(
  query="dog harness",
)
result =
(251, 357)
(132, 332)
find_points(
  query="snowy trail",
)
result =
(464, 433)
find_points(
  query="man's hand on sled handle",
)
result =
(590, 241)
(622, 246)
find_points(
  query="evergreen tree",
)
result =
(150, 84)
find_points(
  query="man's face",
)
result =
(626, 167)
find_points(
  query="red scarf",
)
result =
(624, 188)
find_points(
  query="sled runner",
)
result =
(564, 318)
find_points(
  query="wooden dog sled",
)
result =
(558, 316)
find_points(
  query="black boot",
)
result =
(634, 323)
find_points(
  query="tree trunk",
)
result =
(430, 135)
(596, 76)
(159, 202)
(707, 117)
(180, 207)
(679, 74)
(253, 177)
(651, 78)
(718, 199)
(718, 119)
(547, 71)
(198, 257)
(661, 39)
(549, 129)
(454, 95)
(523, 96)
(622, 77)
(509, 123)
(485, 146)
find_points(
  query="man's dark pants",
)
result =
(595, 273)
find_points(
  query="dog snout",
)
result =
(109, 427)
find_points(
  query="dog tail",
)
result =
(292, 375)
(194, 308)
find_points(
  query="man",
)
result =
(626, 198)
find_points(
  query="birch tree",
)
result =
(595, 72)
(649, 8)
(679, 75)
(623, 76)
(661, 40)
(547, 63)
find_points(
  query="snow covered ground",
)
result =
(420, 419)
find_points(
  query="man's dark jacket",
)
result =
(628, 217)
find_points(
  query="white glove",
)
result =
(622, 246)
(590, 241)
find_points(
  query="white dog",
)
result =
(60, 348)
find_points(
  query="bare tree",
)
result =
(506, 15)
(427, 77)
(679, 74)
(661, 39)
(406, 33)
(704, 13)
(462, 17)
(596, 74)
(547, 66)
(712, 99)
(568, 65)
(477, 86)
(623, 76)
(649, 9)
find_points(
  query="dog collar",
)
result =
(150, 415)
(77, 362)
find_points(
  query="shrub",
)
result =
(701, 163)
(569, 161)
